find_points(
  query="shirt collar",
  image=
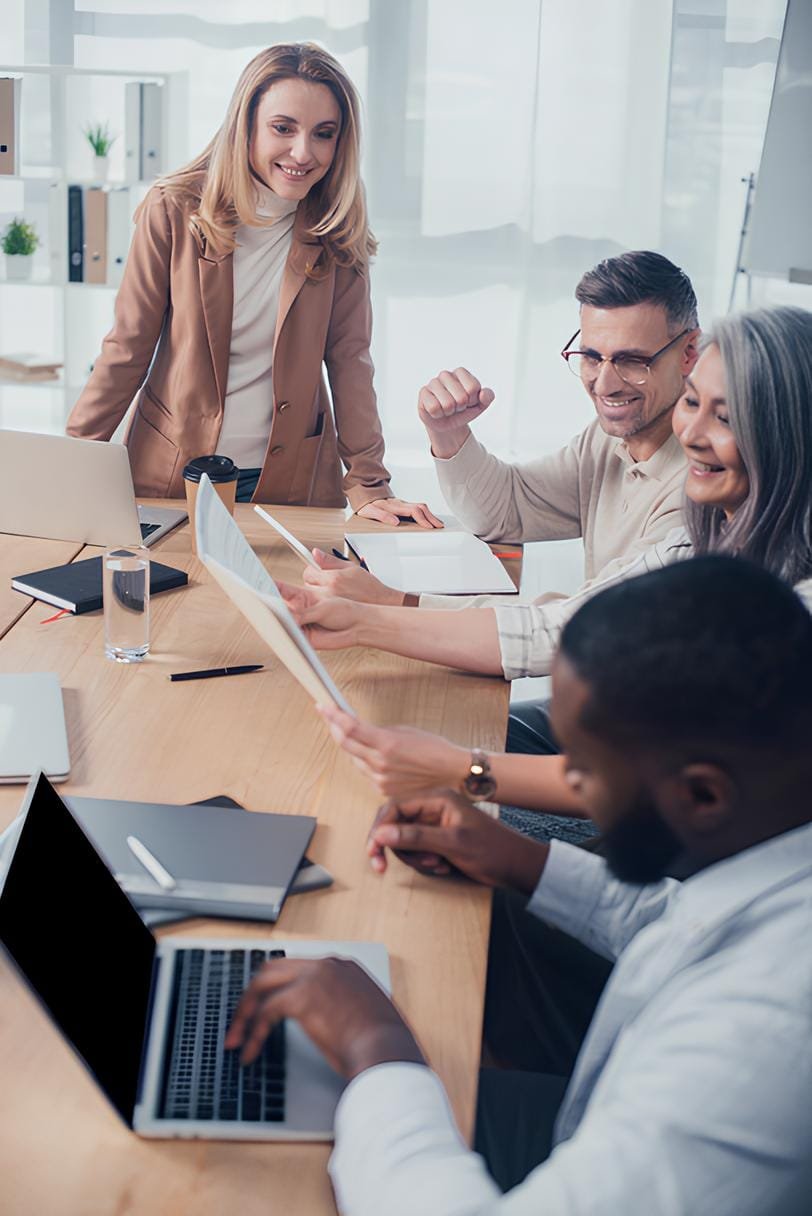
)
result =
(716, 894)
(668, 458)
(270, 205)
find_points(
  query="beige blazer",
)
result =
(171, 338)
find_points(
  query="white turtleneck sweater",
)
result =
(259, 262)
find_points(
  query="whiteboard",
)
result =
(780, 231)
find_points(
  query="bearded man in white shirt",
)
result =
(684, 702)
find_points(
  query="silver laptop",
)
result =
(148, 1017)
(74, 489)
(33, 736)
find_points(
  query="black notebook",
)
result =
(78, 585)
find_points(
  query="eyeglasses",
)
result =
(633, 369)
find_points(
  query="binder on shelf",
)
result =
(58, 232)
(95, 251)
(10, 87)
(119, 228)
(143, 131)
(76, 236)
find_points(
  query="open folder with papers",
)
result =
(230, 560)
(432, 563)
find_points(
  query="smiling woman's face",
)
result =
(716, 475)
(296, 132)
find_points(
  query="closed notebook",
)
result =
(32, 727)
(77, 586)
(224, 862)
(432, 563)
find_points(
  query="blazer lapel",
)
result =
(217, 295)
(304, 253)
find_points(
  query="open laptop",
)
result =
(148, 1017)
(74, 489)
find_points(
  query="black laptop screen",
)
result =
(80, 944)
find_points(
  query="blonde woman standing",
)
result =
(247, 275)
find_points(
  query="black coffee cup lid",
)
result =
(217, 468)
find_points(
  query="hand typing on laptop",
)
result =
(339, 1006)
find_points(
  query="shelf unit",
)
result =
(49, 315)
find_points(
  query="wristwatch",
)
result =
(478, 784)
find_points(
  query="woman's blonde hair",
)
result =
(219, 189)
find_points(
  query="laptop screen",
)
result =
(80, 943)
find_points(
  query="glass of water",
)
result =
(125, 582)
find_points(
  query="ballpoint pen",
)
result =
(211, 672)
(344, 558)
(151, 864)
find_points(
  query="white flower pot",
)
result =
(19, 265)
(101, 164)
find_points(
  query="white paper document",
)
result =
(432, 563)
(289, 538)
(230, 560)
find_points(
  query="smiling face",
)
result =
(640, 414)
(296, 131)
(716, 474)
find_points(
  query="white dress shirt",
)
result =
(692, 1093)
(258, 266)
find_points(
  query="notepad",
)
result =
(77, 586)
(32, 727)
(432, 563)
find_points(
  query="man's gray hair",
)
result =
(767, 356)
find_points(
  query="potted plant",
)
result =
(101, 141)
(19, 242)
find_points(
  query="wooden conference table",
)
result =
(134, 735)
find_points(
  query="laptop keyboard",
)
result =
(201, 1079)
(148, 529)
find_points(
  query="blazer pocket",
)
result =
(153, 457)
(155, 400)
(307, 460)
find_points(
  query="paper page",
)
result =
(436, 563)
(229, 558)
(296, 545)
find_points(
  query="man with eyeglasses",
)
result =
(619, 484)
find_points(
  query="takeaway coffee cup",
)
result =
(221, 472)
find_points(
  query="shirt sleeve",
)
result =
(529, 633)
(496, 500)
(578, 894)
(350, 371)
(673, 1129)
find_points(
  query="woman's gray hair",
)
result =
(767, 356)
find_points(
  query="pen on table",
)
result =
(344, 558)
(151, 864)
(215, 671)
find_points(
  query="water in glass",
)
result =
(126, 604)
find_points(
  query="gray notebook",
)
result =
(224, 862)
(32, 727)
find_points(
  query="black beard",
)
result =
(640, 847)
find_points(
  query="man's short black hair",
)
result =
(712, 650)
(641, 277)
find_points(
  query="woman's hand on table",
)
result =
(349, 580)
(399, 760)
(392, 510)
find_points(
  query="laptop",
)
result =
(33, 736)
(62, 488)
(147, 1017)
